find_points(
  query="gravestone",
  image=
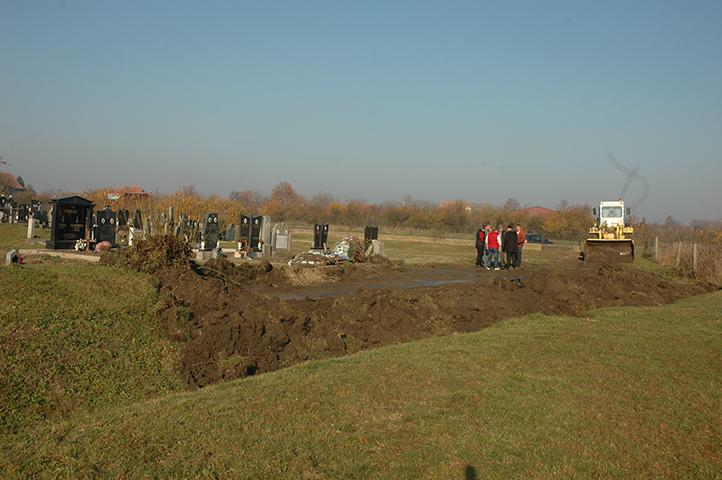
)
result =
(122, 236)
(281, 240)
(71, 215)
(320, 237)
(105, 221)
(244, 227)
(371, 233)
(210, 232)
(42, 218)
(266, 236)
(22, 213)
(231, 233)
(256, 224)
(138, 220)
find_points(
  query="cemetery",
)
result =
(75, 225)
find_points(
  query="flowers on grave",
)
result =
(80, 245)
(103, 247)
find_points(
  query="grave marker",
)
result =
(210, 232)
(320, 237)
(70, 221)
(105, 221)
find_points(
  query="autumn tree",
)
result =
(285, 195)
(572, 221)
(252, 201)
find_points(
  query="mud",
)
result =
(241, 320)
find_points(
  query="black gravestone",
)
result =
(22, 212)
(105, 225)
(371, 233)
(256, 223)
(320, 236)
(244, 227)
(210, 231)
(138, 220)
(70, 221)
(231, 233)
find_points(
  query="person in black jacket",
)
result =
(480, 247)
(510, 247)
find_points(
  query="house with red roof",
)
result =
(136, 193)
(535, 212)
(8, 185)
(466, 205)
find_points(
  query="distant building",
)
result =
(467, 205)
(535, 212)
(135, 193)
(8, 185)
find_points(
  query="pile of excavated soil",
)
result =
(241, 320)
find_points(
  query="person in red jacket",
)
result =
(493, 244)
(520, 241)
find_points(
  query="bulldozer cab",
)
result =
(610, 237)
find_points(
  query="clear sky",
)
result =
(549, 102)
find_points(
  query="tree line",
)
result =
(571, 222)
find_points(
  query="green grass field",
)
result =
(88, 390)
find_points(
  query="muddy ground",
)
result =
(241, 320)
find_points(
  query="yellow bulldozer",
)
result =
(610, 239)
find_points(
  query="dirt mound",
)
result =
(243, 320)
(151, 255)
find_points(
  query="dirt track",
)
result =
(241, 320)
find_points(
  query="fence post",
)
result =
(694, 258)
(679, 254)
(656, 249)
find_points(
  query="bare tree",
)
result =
(511, 204)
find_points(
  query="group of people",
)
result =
(492, 244)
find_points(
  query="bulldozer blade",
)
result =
(609, 251)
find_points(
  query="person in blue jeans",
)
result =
(493, 242)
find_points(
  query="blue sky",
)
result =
(479, 101)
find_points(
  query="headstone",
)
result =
(70, 221)
(231, 233)
(244, 227)
(210, 232)
(23, 213)
(320, 237)
(42, 218)
(138, 220)
(31, 225)
(256, 224)
(122, 236)
(105, 221)
(266, 231)
(371, 233)
(281, 239)
(13, 256)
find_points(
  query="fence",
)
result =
(701, 260)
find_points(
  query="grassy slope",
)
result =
(626, 393)
(75, 337)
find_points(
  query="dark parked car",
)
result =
(536, 238)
